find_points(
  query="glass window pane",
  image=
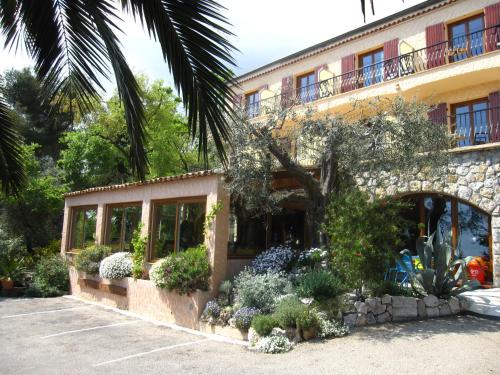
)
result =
(476, 36)
(438, 216)
(463, 125)
(115, 225)
(164, 230)
(247, 233)
(459, 41)
(480, 115)
(131, 220)
(83, 228)
(191, 223)
(473, 230)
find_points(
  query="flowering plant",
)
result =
(275, 259)
(274, 344)
(243, 317)
(330, 328)
(312, 257)
(211, 312)
(116, 266)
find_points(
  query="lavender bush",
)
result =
(275, 259)
(243, 317)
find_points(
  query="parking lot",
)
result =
(65, 336)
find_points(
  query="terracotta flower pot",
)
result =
(7, 284)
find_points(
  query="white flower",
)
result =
(274, 344)
(116, 266)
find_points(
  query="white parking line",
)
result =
(150, 352)
(43, 312)
(90, 329)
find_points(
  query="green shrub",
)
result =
(288, 311)
(139, 250)
(390, 287)
(364, 236)
(264, 324)
(260, 290)
(225, 293)
(51, 278)
(307, 319)
(88, 259)
(320, 285)
(184, 272)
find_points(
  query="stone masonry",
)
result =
(471, 176)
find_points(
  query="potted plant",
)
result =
(307, 322)
(11, 268)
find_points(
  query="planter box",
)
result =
(226, 331)
(142, 297)
(88, 283)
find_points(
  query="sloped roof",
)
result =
(129, 185)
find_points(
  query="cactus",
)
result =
(441, 269)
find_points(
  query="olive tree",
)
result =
(325, 152)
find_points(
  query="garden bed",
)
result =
(141, 297)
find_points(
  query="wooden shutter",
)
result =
(436, 48)
(348, 73)
(391, 52)
(438, 114)
(494, 116)
(286, 91)
(492, 24)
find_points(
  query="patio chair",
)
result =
(399, 274)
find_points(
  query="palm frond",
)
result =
(73, 44)
(12, 175)
(363, 8)
(192, 36)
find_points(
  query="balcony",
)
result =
(444, 53)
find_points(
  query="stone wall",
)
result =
(472, 176)
(396, 309)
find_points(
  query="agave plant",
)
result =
(441, 271)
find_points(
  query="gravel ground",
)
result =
(62, 336)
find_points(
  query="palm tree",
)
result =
(74, 46)
(363, 8)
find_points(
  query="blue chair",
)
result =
(399, 274)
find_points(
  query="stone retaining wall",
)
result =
(396, 309)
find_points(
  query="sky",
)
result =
(265, 30)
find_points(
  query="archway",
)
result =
(468, 226)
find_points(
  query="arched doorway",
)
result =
(468, 227)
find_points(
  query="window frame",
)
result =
(470, 104)
(254, 109)
(465, 21)
(73, 210)
(419, 197)
(298, 87)
(360, 70)
(153, 224)
(107, 227)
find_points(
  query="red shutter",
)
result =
(492, 24)
(494, 116)
(286, 91)
(436, 48)
(391, 52)
(348, 73)
(438, 114)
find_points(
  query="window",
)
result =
(177, 226)
(83, 227)
(306, 88)
(122, 221)
(372, 67)
(466, 38)
(470, 122)
(467, 227)
(252, 104)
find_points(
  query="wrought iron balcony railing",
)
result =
(474, 127)
(449, 51)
